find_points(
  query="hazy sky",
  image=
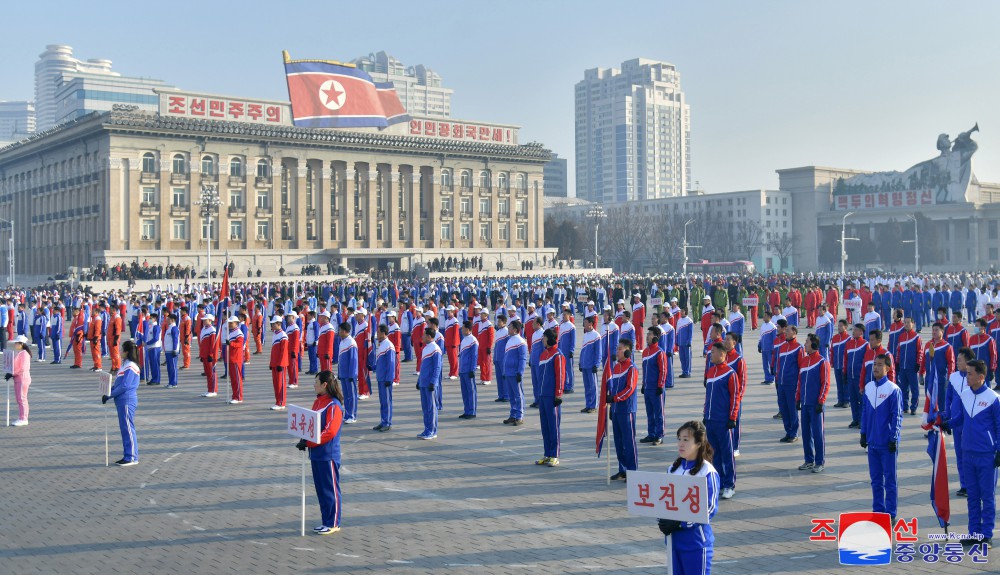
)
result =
(771, 84)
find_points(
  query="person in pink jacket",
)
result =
(22, 378)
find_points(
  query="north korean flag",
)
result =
(331, 95)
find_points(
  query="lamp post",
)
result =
(209, 202)
(684, 248)
(597, 213)
(843, 243)
(916, 244)
(10, 257)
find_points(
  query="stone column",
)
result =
(432, 203)
(370, 209)
(347, 209)
(391, 229)
(321, 191)
(297, 201)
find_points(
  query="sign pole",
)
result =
(8, 403)
(303, 494)
(607, 442)
(107, 458)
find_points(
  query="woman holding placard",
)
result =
(21, 373)
(123, 391)
(691, 544)
(325, 455)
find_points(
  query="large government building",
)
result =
(125, 185)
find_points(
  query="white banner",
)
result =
(304, 423)
(105, 380)
(656, 301)
(853, 304)
(8, 361)
(751, 301)
(667, 496)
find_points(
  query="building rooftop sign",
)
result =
(946, 179)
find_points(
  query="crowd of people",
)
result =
(615, 337)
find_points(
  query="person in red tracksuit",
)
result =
(279, 361)
(294, 347)
(324, 345)
(395, 337)
(208, 353)
(234, 356)
(486, 336)
(638, 320)
(452, 339)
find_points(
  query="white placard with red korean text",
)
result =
(751, 301)
(304, 423)
(667, 496)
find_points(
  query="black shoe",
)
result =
(517, 422)
(533, 404)
(766, 382)
(223, 377)
(588, 410)
(126, 463)
(386, 428)
(961, 493)
(785, 439)
(792, 440)
(620, 475)
(508, 420)
(647, 439)
(567, 391)
(913, 412)
(656, 441)
(74, 367)
(854, 425)
(776, 416)
(467, 416)
(377, 427)
(838, 404)
(500, 400)
(995, 388)
(988, 542)
(685, 376)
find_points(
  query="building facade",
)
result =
(419, 88)
(17, 120)
(67, 88)
(123, 186)
(633, 131)
(555, 177)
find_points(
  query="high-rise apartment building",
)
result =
(67, 88)
(554, 174)
(17, 121)
(419, 87)
(633, 130)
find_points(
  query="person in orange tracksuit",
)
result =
(236, 346)
(279, 361)
(257, 326)
(185, 329)
(114, 338)
(94, 336)
(77, 333)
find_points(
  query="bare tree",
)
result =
(748, 238)
(624, 236)
(782, 245)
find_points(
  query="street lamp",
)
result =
(209, 202)
(843, 243)
(684, 248)
(597, 213)
(916, 244)
(11, 248)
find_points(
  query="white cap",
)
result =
(477, 306)
(552, 311)
(429, 312)
(621, 301)
(706, 298)
(21, 339)
(390, 314)
(276, 319)
(419, 309)
(607, 307)
(233, 319)
(590, 303)
(565, 305)
(485, 312)
(325, 314)
(531, 305)
(636, 294)
(450, 308)
(361, 310)
(208, 317)
(673, 299)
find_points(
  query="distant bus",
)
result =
(717, 268)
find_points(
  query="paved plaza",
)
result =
(218, 488)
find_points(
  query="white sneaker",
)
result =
(452, 377)
(416, 373)
(350, 421)
(210, 394)
(235, 401)
(486, 382)
(20, 423)
(293, 386)
(277, 407)
(727, 493)
(365, 396)
(736, 453)
(395, 383)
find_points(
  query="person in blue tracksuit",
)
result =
(971, 299)
(347, 371)
(171, 347)
(153, 345)
(515, 358)
(691, 545)
(668, 342)
(958, 382)
(908, 353)
(786, 371)
(439, 340)
(765, 346)
(810, 397)
(536, 347)
(736, 324)
(622, 386)
(567, 345)
(591, 354)
(468, 355)
(955, 301)
(325, 455)
(385, 373)
(978, 412)
(854, 362)
(312, 341)
(881, 420)
(123, 391)
(430, 370)
(837, 351)
(685, 332)
(654, 380)
(825, 327)
(722, 405)
(551, 366)
(499, 347)
(40, 330)
(105, 317)
(55, 333)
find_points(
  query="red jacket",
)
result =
(235, 347)
(279, 352)
(324, 345)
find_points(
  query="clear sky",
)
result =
(771, 84)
